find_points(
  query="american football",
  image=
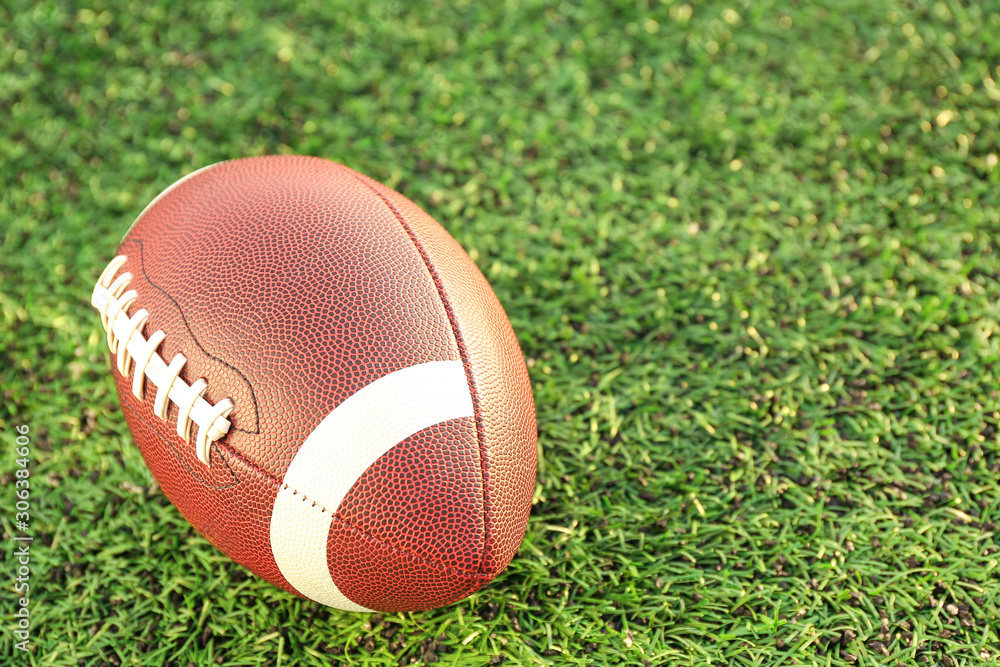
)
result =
(323, 383)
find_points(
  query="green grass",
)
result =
(750, 251)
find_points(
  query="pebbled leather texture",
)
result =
(291, 283)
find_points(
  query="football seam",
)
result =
(335, 516)
(187, 327)
(463, 353)
(268, 477)
(191, 471)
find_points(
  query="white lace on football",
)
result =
(131, 348)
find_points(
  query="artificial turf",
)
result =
(749, 249)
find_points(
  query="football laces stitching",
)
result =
(134, 353)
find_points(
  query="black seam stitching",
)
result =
(253, 393)
(335, 515)
(193, 472)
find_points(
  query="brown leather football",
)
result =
(323, 383)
